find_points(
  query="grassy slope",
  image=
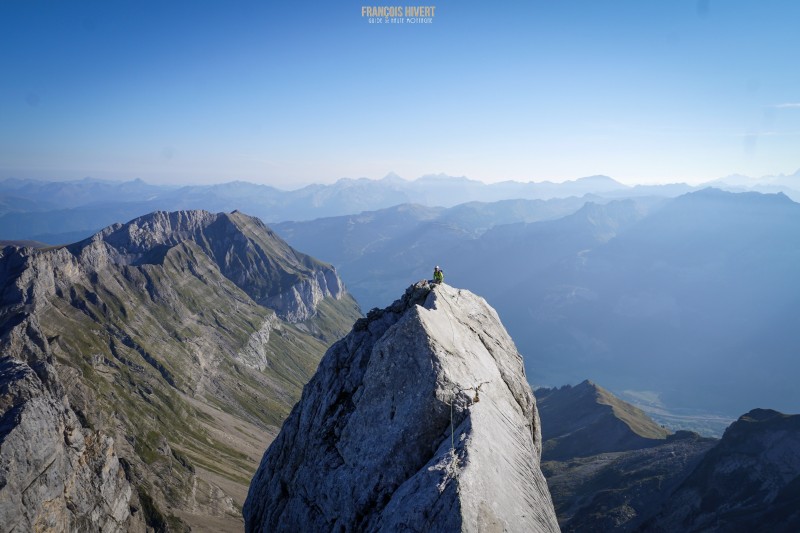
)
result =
(587, 419)
(636, 419)
(138, 346)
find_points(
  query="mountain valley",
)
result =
(688, 298)
(180, 340)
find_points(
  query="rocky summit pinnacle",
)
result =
(420, 419)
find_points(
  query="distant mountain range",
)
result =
(379, 251)
(692, 297)
(689, 295)
(57, 212)
(696, 299)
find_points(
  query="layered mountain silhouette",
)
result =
(64, 211)
(378, 251)
(420, 419)
(144, 368)
(58, 212)
(690, 298)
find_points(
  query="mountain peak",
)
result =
(760, 415)
(393, 177)
(158, 228)
(421, 413)
(246, 251)
(758, 420)
(574, 416)
(600, 178)
(587, 384)
(130, 358)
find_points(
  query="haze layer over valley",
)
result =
(689, 301)
(676, 296)
(58, 212)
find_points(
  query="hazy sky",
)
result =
(289, 93)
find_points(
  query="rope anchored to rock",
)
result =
(452, 466)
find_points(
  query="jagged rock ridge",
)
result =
(246, 251)
(420, 419)
(608, 465)
(147, 362)
(747, 481)
(750, 481)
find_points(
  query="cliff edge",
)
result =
(420, 419)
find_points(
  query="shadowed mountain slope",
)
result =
(695, 301)
(609, 466)
(750, 481)
(587, 419)
(618, 491)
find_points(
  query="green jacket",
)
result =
(438, 276)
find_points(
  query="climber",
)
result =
(438, 275)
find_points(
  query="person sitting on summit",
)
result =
(438, 275)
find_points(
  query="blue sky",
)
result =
(291, 93)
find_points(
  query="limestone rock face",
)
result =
(54, 474)
(420, 419)
(244, 249)
(299, 302)
(141, 369)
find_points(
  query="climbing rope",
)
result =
(475, 399)
(452, 467)
(452, 429)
